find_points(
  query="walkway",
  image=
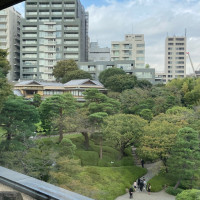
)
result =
(153, 169)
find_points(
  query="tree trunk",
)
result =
(61, 126)
(101, 149)
(85, 134)
(177, 184)
(8, 136)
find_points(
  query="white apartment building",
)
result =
(10, 39)
(133, 48)
(175, 57)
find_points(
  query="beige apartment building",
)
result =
(10, 39)
(175, 57)
(132, 48)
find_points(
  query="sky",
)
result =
(110, 20)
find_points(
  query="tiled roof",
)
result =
(39, 83)
(81, 82)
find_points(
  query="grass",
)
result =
(160, 181)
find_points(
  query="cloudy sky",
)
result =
(110, 20)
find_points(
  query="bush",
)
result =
(67, 148)
(88, 158)
(159, 181)
(189, 195)
(172, 191)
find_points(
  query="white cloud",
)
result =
(153, 18)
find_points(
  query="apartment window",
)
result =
(180, 62)
(169, 62)
(179, 71)
(140, 58)
(169, 67)
(169, 71)
(169, 53)
(180, 67)
(140, 52)
(170, 39)
(179, 58)
(140, 45)
(180, 48)
(170, 76)
(180, 53)
(170, 48)
(169, 58)
(170, 44)
(180, 39)
(179, 44)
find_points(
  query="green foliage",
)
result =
(124, 130)
(67, 70)
(120, 82)
(160, 181)
(104, 75)
(189, 195)
(5, 87)
(18, 119)
(88, 158)
(37, 100)
(146, 114)
(172, 191)
(67, 148)
(184, 163)
(144, 84)
(54, 112)
(157, 140)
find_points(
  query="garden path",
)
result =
(153, 169)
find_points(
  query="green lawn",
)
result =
(159, 181)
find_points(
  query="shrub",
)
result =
(189, 195)
(172, 191)
(159, 181)
(88, 158)
(67, 148)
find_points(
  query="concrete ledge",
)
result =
(35, 188)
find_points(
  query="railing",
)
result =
(35, 188)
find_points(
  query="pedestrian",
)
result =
(145, 183)
(142, 163)
(141, 185)
(138, 182)
(131, 192)
(149, 188)
(135, 185)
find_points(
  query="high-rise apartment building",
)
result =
(10, 39)
(175, 57)
(133, 48)
(52, 30)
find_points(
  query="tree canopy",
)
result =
(104, 75)
(5, 88)
(67, 70)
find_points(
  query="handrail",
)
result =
(35, 188)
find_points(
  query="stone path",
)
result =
(153, 169)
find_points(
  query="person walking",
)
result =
(135, 185)
(141, 185)
(131, 192)
(138, 182)
(145, 183)
(142, 163)
(149, 188)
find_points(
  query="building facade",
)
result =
(95, 68)
(27, 89)
(10, 39)
(133, 48)
(97, 53)
(175, 57)
(52, 31)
